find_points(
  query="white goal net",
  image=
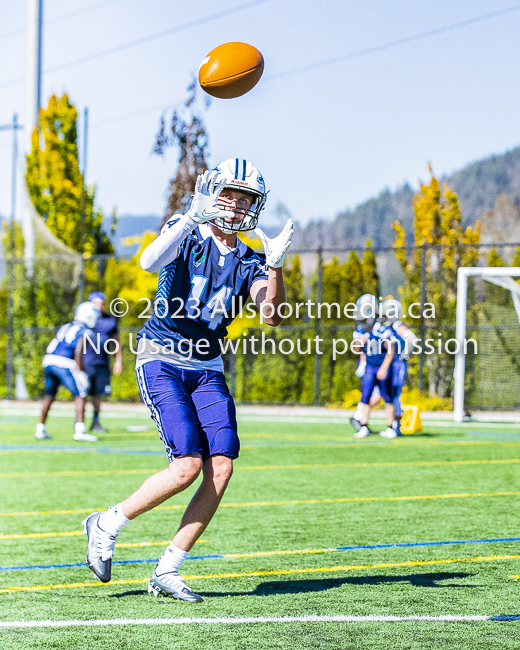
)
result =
(488, 311)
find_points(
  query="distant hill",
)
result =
(130, 226)
(478, 186)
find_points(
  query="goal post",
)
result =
(499, 276)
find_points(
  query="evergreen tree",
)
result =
(187, 131)
(437, 223)
(55, 182)
(369, 271)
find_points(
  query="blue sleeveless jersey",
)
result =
(196, 288)
(64, 343)
(375, 349)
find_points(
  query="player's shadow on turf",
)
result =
(303, 586)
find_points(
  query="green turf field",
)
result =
(302, 489)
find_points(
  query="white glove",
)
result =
(360, 370)
(204, 204)
(277, 247)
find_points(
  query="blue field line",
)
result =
(233, 556)
(96, 450)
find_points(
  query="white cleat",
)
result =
(389, 433)
(42, 435)
(171, 584)
(84, 437)
(100, 547)
(364, 432)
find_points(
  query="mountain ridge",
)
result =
(481, 186)
(478, 186)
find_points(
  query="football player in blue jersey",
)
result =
(206, 273)
(63, 365)
(392, 312)
(375, 363)
(96, 359)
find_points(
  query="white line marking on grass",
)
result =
(257, 619)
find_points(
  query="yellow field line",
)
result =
(292, 502)
(306, 551)
(77, 533)
(136, 544)
(72, 533)
(251, 468)
(279, 572)
(108, 472)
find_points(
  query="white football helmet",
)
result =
(87, 313)
(366, 309)
(391, 310)
(242, 175)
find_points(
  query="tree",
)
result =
(55, 182)
(369, 271)
(187, 131)
(443, 245)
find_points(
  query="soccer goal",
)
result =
(488, 311)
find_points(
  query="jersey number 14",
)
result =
(214, 310)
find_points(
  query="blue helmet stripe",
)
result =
(236, 168)
(244, 170)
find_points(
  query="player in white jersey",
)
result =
(204, 268)
(63, 365)
(392, 313)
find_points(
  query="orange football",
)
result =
(231, 70)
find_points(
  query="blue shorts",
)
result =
(399, 372)
(369, 381)
(99, 377)
(54, 376)
(193, 410)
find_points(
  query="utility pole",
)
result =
(15, 127)
(32, 113)
(317, 322)
(81, 289)
(34, 66)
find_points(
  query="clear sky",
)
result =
(325, 139)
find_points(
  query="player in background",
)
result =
(392, 313)
(205, 270)
(375, 362)
(371, 311)
(63, 364)
(97, 365)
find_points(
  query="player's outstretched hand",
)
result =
(204, 204)
(277, 247)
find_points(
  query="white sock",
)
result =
(357, 414)
(80, 427)
(40, 427)
(172, 559)
(113, 520)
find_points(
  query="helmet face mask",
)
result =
(241, 176)
(367, 323)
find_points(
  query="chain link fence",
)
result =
(306, 360)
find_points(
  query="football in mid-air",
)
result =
(231, 70)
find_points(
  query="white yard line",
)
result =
(256, 619)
